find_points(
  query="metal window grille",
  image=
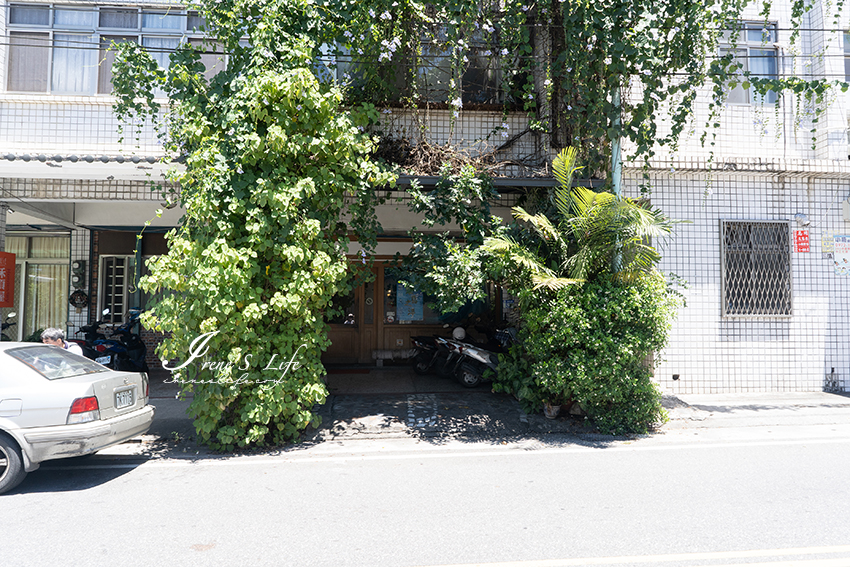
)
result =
(114, 286)
(756, 258)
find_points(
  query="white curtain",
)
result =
(46, 297)
(74, 18)
(50, 247)
(162, 21)
(74, 63)
(160, 48)
(763, 65)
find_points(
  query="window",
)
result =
(107, 58)
(118, 18)
(847, 56)
(433, 76)
(756, 266)
(752, 46)
(42, 269)
(116, 275)
(29, 15)
(74, 64)
(479, 83)
(162, 21)
(55, 363)
(212, 56)
(28, 61)
(403, 305)
(79, 17)
(65, 49)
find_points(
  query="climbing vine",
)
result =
(276, 178)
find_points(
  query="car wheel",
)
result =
(11, 464)
(468, 377)
(421, 364)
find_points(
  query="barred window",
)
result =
(116, 273)
(756, 266)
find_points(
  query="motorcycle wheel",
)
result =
(422, 364)
(468, 377)
(444, 367)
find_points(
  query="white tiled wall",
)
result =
(80, 189)
(80, 246)
(710, 353)
(68, 125)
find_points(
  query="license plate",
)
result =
(103, 359)
(124, 399)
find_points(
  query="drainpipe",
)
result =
(616, 165)
(616, 162)
(3, 209)
(137, 293)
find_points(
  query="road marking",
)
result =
(421, 410)
(417, 453)
(705, 556)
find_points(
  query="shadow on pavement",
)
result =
(389, 402)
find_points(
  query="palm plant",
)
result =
(593, 234)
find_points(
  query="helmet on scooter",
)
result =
(459, 334)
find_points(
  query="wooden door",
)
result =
(353, 336)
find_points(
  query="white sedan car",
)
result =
(55, 404)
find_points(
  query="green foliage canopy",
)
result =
(270, 161)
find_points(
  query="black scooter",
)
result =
(435, 354)
(7, 324)
(132, 352)
(475, 361)
(94, 345)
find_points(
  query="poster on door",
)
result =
(409, 304)
(841, 255)
(7, 279)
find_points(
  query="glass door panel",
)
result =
(46, 297)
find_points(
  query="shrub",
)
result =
(596, 344)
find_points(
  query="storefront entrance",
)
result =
(379, 319)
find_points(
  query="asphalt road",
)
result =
(682, 499)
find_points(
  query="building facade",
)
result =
(763, 254)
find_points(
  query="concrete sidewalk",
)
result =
(393, 402)
(757, 409)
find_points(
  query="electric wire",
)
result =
(93, 46)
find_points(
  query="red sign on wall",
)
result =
(7, 279)
(801, 240)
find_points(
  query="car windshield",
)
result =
(54, 363)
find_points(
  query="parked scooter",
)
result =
(7, 324)
(122, 350)
(426, 353)
(131, 350)
(436, 354)
(95, 343)
(476, 361)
